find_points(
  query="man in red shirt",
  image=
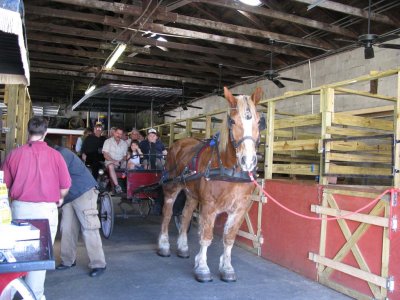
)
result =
(38, 179)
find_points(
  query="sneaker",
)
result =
(117, 189)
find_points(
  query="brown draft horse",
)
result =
(238, 140)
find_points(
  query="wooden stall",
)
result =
(330, 163)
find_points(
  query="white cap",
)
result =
(152, 130)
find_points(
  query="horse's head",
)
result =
(244, 127)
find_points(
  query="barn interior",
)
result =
(330, 76)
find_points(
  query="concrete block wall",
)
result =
(332, 69)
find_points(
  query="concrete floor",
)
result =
(134, 271)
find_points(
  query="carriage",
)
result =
(140, 193)
(142, 196)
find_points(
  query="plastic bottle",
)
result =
(5, 210)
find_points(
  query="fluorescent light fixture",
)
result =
(115, 55)
(251, 2)
(161, 39)
(90, 89)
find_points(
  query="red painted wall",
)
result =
(288, 239)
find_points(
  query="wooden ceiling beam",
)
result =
(48, 38)
(177, 4)
(130, 60)
(282, 16)
(78, 32)
(221, 39)
(353, 11)
(94, 70)
(252, 32)
(113, 78)
(120, 23)
(179, 19)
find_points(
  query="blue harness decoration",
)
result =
(221, 173)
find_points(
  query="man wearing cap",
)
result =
(92, 149)
(114, 151)
(153, 151)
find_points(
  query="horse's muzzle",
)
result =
(248, 162)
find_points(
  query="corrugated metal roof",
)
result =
(127, 97)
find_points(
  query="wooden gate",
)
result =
(349, 261)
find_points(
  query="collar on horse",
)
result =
(221, 173)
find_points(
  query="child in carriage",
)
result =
(133, 156)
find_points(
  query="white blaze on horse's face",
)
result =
(247, 149)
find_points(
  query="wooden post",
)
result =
(269, 141)
(208, 127)
(11, 98)
(20, 117)
(327, 100)
(396, 177)
(188, 129)
(171, 134)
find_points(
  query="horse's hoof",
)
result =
(203, 277)
(183, 253)
(164, 252)
(228, 276)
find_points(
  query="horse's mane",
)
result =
(241, 108)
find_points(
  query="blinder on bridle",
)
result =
(261, 126)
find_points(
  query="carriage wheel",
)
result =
(178, 222)
(106, 214)
(21, 287)
(144, 207)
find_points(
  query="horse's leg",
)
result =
(170, 194)
(187, 213)
(201, 270)
(231, 228)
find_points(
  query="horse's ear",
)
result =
(228, 96)
(257, 95)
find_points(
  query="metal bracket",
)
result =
(394, 223)
(394, 200)
(390, 283)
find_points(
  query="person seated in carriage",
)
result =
(134, 155)
(114, 151)
(153, 151)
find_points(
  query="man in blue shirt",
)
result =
(80, 212)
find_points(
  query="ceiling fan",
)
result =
(161, 114)
(369, 40)
(274, 76)
(184, 104)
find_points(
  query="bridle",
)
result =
(248, 116)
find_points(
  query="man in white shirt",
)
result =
(114, 151)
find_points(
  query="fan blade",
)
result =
(387, 38)
(345, 40)
(389, 46)
(194, 106)
(278, 83)
(369, 53)
(290, 79)
(248, 77)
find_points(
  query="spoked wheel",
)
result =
(106, 214)
(144, 207)
(21, 287)
(178, 223)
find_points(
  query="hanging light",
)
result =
(90, 89)
(251, 2)
(115, 55)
